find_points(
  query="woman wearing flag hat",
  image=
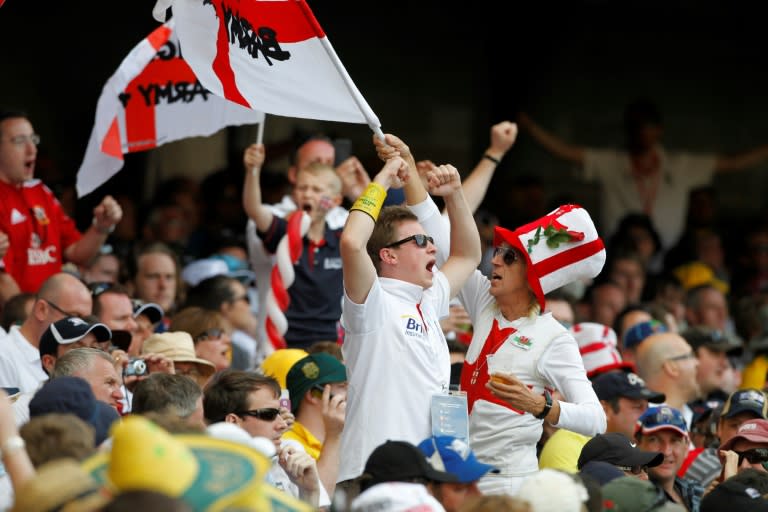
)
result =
(529, 353)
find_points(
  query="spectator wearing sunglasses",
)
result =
(741, 406)
(394, 298)
(664, 429)
(228, 296)
(251, 401)
(210, 332)
(748, 448)
(536, 354)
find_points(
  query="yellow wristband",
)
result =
(371, 200)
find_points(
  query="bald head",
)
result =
(668, 364)
(658, 348)
(60, 295)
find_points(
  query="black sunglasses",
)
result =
(57, 308)
(421, 241)
(635, 470)
(754, 456)
(244, 297)
(507, 253)
(210, 334)
(268, 414)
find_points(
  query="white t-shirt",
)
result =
(20, 363)
(396, 359)
(681, 172)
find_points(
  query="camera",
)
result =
(135, 367)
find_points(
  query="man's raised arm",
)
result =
(359, 272)
(465, 253)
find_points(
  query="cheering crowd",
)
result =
(355, 340)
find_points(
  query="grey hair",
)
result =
(166, 394)
(78, 360)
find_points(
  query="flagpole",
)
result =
(365, 109)
(260, 130)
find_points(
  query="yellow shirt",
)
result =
(562, 451)
(310, 443)
(754, 375)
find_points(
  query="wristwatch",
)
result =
(547, 406)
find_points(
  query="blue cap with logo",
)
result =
(452, 455)
(660, 418)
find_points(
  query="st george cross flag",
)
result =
(270, 55)
(153, 98)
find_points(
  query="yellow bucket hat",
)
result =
(280, 361)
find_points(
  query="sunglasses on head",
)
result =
(267, 414)
(754, 455)
(210, 334)
(421, 241)
(508, 254)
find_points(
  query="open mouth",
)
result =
(495, 277)
(307, 208)
(431, 266)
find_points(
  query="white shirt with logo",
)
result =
(397, 358)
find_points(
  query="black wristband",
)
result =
(547, 406)
(492, 159)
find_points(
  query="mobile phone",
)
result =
(343, 149)
(317, 390)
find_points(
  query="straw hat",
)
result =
(178, 347)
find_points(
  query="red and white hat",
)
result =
(597, 346)
(561, 247)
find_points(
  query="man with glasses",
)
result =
(394, 297)
(41, 235)
(251, 401)
(617, 449)
(663, 429)
(741, 406)
(668, 364)
(748, 448)
(61, 295)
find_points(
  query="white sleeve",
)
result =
(561, 365)
(435, 225)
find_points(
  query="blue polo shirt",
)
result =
(315, 308)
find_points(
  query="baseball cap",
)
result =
(630, 494)
(395, 461)
(752, 430)
(151, 310)
(638, 332)
(448, 453)
(746, 400)
(713, 339)
(660, 418)
(74, 395)
(70, 330)
(617, 449)
(396, 497)
(280, 361)
(628, 385)
(733, 494)
(314, 369)
(601, 472)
